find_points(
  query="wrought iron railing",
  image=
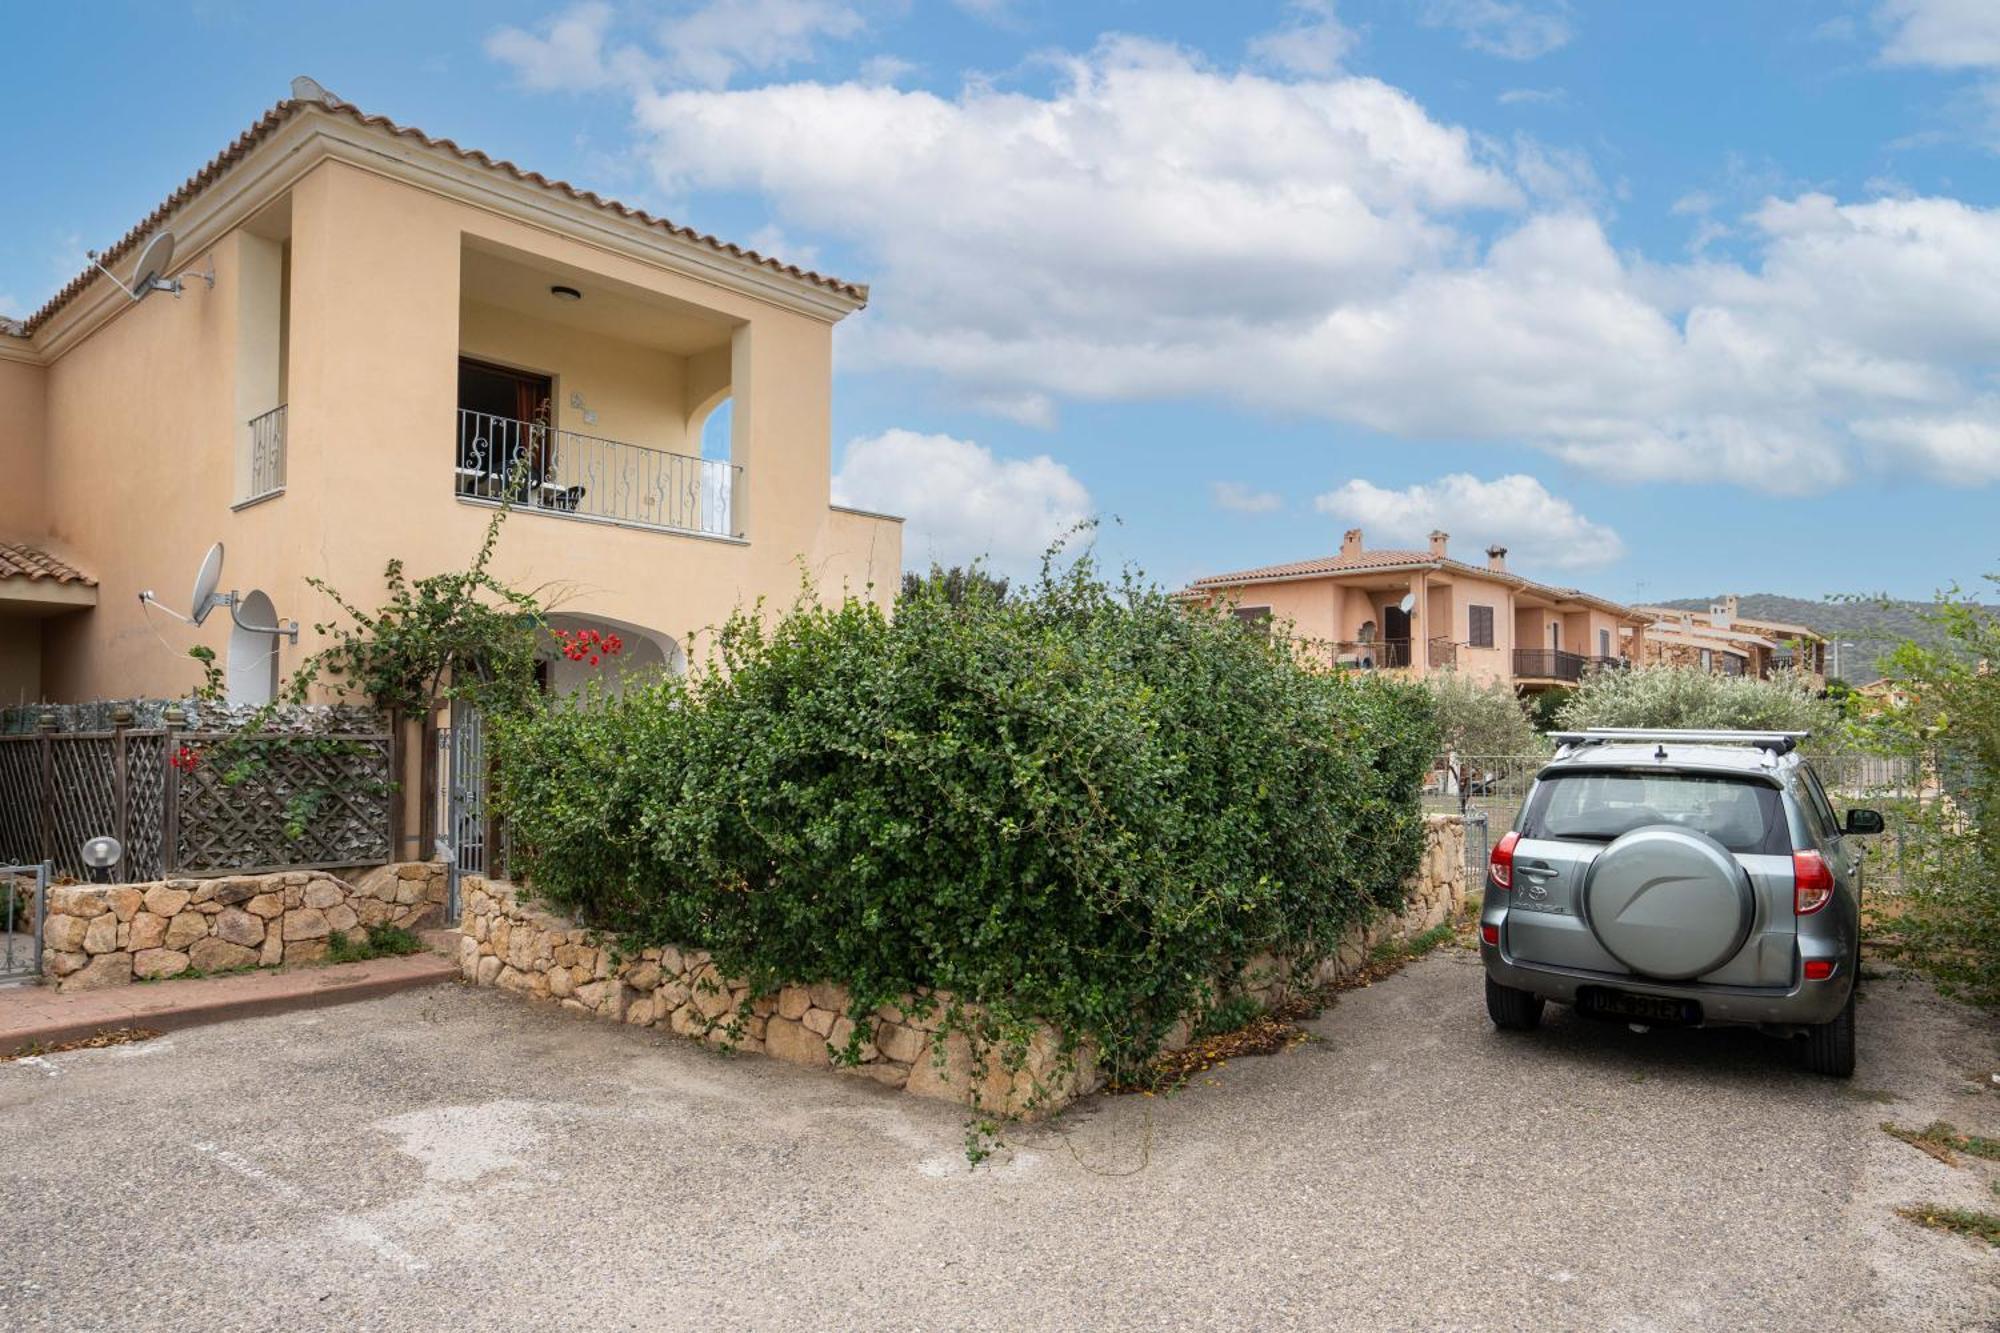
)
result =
(553, 471)
(1355, 655)
(1549, 664)
(267, 454)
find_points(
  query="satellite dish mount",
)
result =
(205, 599)
(149, 273)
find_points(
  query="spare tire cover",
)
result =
(1669, 902)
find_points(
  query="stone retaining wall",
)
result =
(111, 934)
(514, 945)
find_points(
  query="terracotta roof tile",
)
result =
(1388, 560)
(268, 123)
(19, 561)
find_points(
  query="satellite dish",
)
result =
(1407, 604)
(205, 583)
(155, 257)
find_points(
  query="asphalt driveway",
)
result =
(461, 1158)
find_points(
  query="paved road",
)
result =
(457, 1158)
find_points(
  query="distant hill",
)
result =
(1872, 627)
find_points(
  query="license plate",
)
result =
(1626, 1007)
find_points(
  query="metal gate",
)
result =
(1477, 848)
(462, 809)
(24, 898)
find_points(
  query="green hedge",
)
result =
(1071, 805)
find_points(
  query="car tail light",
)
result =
(1812, 882)
(1818, 969)
(1491, 934)
(1500, 866)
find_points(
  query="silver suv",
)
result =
(1684, 878)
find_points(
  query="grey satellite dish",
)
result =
(1408, 603)
(205, 583)
(156, 256)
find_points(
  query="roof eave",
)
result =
(295, 136)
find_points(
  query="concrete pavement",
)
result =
(457, 1157)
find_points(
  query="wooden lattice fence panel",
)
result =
(296, 801)
(20, 802)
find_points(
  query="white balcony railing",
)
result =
(267, 454)
(582, 476)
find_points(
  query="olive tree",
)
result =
(1476, 719)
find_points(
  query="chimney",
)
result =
(1350, 542)
(1439, 540)
(1496, 558)
(1723, 613)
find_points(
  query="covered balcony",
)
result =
(583, 398)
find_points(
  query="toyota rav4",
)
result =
(1685, 878)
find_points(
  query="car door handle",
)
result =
(1537, 872)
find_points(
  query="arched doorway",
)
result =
(251, 678)
(646, 654)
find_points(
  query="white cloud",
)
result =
(1510, 29)
(1156, 228)
(565, 54)
(1540, 530)
(705, 46)
(1964, 449)
(886, 69)
(959, 501)
(1312, 41)
(1944, 34)
(1238, 498)
(1533, 97)
(709, 45)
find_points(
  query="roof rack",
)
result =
(1777, 742)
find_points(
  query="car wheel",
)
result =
(1830, 1046)
(1512, 1010)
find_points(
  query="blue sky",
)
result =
(1671, 299)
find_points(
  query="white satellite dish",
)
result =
(1408, 603)
(206, 599)
(156, 256)
(205, 584)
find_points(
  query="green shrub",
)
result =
(1677, 696)
(1071, 805)
(377, 941)
(1949, 922)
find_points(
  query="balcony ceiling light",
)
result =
(562, 293)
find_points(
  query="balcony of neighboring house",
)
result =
(1549, 666)
(580, 398)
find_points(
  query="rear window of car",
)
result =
(1744, 816)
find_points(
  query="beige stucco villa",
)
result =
(393, 325)
(1422, 611)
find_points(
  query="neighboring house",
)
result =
(1423, 611)
(393, 323)
(1724, 641)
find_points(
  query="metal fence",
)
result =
(1493, 787)
(24, 892)
(197, 802)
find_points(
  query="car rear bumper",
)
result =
(1808, 1002)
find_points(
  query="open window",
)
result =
(504, 422)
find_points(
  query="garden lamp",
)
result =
(100, 854)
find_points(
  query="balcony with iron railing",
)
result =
(545, 470)
(1553, 664)
(267, 456)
